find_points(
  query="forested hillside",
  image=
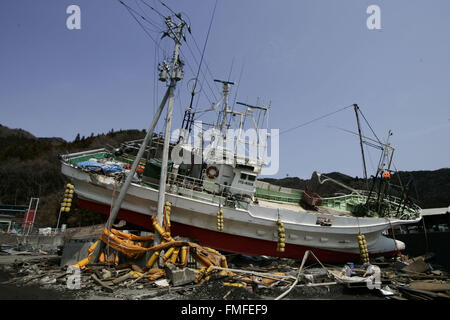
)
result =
(29, 167)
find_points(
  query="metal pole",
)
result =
(57, 224)
(125, 186)
(26, 217)
(34, 216)
(123, 191)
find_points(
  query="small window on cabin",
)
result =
(251, 178)
(243, 176)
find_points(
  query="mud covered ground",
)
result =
(31, 292)
(214, 289)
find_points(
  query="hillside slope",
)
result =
(29, 167)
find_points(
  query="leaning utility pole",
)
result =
(176, 75)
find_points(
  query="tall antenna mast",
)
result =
(226, 110)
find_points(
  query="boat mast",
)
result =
(386, 161)
(226, 110)
(361, 143)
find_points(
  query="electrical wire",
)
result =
(206, 42)
(131, 11)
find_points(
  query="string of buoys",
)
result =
(281, 236)
(363, 248)
(68, 196)
(220, 220)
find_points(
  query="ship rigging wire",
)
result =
(316, 119)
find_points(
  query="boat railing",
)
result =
(401, 210)
(279, 197)
(392, 199)
(193, 188)
(83, 153)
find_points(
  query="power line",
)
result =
(200, 51)
(149, 19)
(159, 13)
(204, 48)
(135, 14)
(193, 72)
(130, 11)
(141, 16)
(192, 53)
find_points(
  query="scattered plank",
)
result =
(418, 266)
(429, 286)
(122, 278)
(96, 279)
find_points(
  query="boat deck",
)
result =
(298, 208)
(288, 206)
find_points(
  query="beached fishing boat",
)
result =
(250, 221)
(218, 199)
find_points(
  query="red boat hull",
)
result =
(229, 242)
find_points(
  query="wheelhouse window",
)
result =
(247, 179)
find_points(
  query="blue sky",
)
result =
(308, 57)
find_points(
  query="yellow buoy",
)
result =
(168, 253)
(364, 251)
(281, 236)
(183, 255)
(174, 257)
(152, 259)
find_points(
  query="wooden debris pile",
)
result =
(415, 279)
(123, 248)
